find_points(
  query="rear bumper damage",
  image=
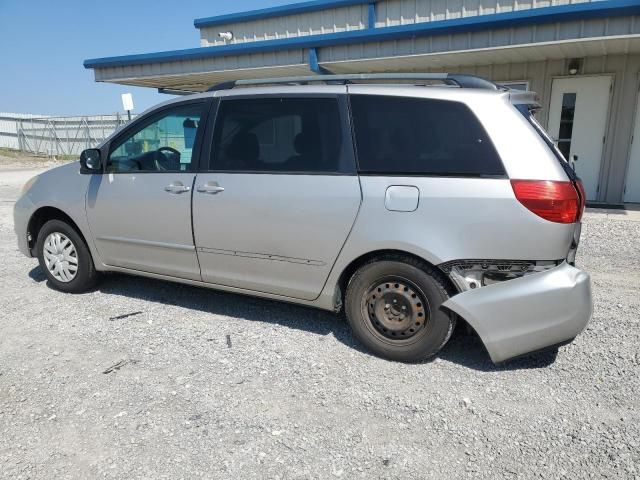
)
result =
(529, 313)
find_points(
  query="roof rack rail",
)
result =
(461, 80)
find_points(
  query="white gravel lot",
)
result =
(200, 384)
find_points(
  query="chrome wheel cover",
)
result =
(60, 257)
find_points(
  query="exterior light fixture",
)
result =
(574, 66)
(226, 36)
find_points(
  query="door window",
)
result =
(567, 114)
(165, 143)
(277, 135)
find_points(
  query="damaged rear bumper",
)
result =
(528, 313)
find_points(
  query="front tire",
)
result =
(393, 307)
(65, 258)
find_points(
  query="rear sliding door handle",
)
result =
(176, 187)
(211, 188)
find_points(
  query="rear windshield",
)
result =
(413, 136)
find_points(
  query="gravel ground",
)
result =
(147, 379)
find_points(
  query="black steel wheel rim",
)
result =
(396, 309)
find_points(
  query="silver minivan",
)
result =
(409, 205)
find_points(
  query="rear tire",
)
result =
(393, 307)
(65, 258)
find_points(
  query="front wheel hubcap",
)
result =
(60, 257)
(396, 309)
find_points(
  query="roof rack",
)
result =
(461, 80)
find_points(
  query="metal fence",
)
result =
(9, 128)
(56, 136)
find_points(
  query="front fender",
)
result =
(23, 210)
(64, 189)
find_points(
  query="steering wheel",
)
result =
(161, 160)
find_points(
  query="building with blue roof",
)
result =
(582, 57)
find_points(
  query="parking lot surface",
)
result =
(148, 379)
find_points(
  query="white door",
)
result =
(577, 121)
(632, 186)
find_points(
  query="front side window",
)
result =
(163, 144)
(414, 136)
(271, 135)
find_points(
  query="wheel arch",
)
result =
(41, 216)
(376, 255)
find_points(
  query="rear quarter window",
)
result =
(415, 136)
(529, 115)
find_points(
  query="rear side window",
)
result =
(271, 135)
(413, 136)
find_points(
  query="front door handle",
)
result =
(211, 188)
(176, 187)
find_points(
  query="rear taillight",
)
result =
(583, 197)
(554, 201)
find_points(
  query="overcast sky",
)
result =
(44, 42)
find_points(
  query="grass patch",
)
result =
(10, 153)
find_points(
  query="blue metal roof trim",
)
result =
(582, 11)
(314, 66)
(371, 15)
(290, 9)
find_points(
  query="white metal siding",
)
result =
(283, 58)
(355, 17)
(313, 23)
(402, 12)
(581, 29)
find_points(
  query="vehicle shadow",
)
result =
(37, 275)
(465, 348)
(216, 302)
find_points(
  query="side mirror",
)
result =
(90, 161)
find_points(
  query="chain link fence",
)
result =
(56, 136)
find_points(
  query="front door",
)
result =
(577, 121)
(282, 194)
(139, 209)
